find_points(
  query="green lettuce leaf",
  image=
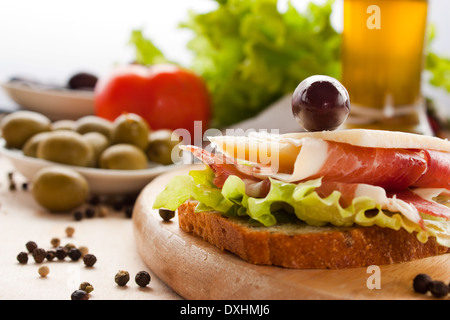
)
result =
(296, 200)
(146, 52)
(197, 185)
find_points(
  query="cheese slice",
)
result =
(290, 159)
(376, 139)
(265, 149)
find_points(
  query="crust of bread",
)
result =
(301, 246)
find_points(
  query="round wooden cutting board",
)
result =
(197, 270)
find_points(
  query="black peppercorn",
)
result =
(61, 253)
(89, 212)
(79, 295)
(75, 254)
(94, 200)
(39, 255)
(129, 212)
(166, 214)
(438, 289)
(31, 245)
(22, 257)
(421, 283)
(89, 260)
(130, 199)
(78, 215)
(117, 205)
(12, 186)
(122, 278)
(142, 278)
(50, 255)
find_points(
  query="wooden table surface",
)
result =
(109, 238)
(113, 241)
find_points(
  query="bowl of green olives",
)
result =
(115, 157)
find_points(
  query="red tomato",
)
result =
(167, 96)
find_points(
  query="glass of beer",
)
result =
(382, 63)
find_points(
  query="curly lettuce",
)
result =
(297, 201)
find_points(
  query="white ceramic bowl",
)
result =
(57, 104)
(101, 181)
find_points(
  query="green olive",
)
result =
(94, 124)
(30, 147)
(67, 147)
(63, 125)
(123, 157)
(59, 189)
(98, 142)
(19, 126)
(132, 129)
(161, 145)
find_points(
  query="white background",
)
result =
(50, 40)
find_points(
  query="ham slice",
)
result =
(310, 157)
(424, 205)
(390, 169)
(438, 170)
(224, 166)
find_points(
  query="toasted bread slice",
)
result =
(300, 246)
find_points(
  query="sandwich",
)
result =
(325, 200)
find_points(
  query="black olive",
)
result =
(82, 80)
(320, 103)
